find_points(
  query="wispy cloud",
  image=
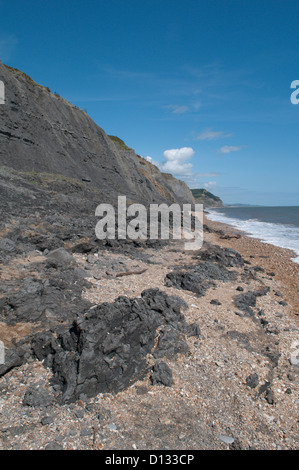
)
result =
(210, 184)
(176, 109)
(229, 148)
(8, 43)
(207, 175)
(209, 134)
(182, 109)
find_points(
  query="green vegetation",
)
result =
(202, 196)
(120, 143)
(26, 77)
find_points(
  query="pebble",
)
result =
(227, 439)
(85, 432)
(112, 427)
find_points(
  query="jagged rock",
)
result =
(247, 300)
(37, 398)
(223, 256)
(105, 349)
(199, 277)
(161, 375)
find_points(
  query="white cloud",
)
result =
(176, 161)
(182, 154)
(209, 134)
(229, 148)
(153, 162)
(178, 109)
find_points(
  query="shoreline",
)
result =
(233, 379)
(272, 258)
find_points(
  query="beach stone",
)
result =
(60, 258)
(215, 302)
(162, 375)
(227, 439)
(7, 245)
(252, 380)
(112, 427)
(37, 398)
(270, 396)
(53, 445)
(47, 420)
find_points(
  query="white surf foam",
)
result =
(284, 236)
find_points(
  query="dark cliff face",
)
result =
(43, 133)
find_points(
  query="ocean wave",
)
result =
(281, 235)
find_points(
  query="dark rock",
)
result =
(53, 445)
(199, 277)
(37, 398)
(7, 245)
(60, 257)
(252, 380)
(215, 302)
(223, 256)
(193, 330)
(161, 375)
(270, 397)
(263, 388)
(106, 349)
(170, 343)
(47, 420)
(247, 300)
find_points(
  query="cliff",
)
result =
(42, 133)
(202, 196)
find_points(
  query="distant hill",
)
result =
(202, 196)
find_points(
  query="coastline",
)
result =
(272, 258)
(233, 384)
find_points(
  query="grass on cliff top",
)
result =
(203, 193)
(120, 143)
(26, 77)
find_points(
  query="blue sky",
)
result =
(201, 87)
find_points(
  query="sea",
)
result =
(278, 226)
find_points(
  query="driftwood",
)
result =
(228, 237)
(128, 273)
